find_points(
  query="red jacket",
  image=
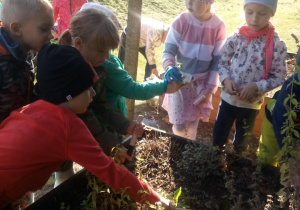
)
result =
(36, 139)
(62, 9)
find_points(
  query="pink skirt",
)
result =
(180, 105)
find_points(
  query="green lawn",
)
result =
(286, 19)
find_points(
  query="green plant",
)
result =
(108, 197)
(289, 153)
(63, 207)
(176, 195)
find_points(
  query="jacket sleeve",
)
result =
(225, 59)
(213, 81)
(121, 83)
(172, 43)
(84, 150)
(105, 112)
(105, 139)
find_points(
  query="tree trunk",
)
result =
(132, 45)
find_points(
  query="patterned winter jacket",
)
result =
(16, 76)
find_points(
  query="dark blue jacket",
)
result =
(16, 76)
(277, 117)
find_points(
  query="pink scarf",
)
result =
(247, 33)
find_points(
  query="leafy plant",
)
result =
(289, 151)
(63, 207)
(177, 194)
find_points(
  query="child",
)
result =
(26, 26)
(152, 34)
(119, 84)
(63, 11)
(189, 47)
(271, 140)
(252, 63)
(94, 35)
(65, 84)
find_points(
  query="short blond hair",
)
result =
(92, 25)
(22, 10)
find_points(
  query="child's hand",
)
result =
(167, 204)
(229, 86)
(136, 128)
(122, 155)
(172, 73)
(248, 92)
(208, 97)
(173, 87)
(155, 72)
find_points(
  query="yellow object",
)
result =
(268, 146)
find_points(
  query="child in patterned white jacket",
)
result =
(252, 63)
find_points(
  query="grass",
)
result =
(286, 19)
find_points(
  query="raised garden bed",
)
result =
(209, 178)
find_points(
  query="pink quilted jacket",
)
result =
(63, 14)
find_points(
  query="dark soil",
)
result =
(209, 179)
(158, 118)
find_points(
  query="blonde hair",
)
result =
(22, 10)
(92, 25)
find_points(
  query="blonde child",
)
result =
(119, 84)
(252, 63)
(193, 45)
(65, 84)
(26, 26)
(94, 34)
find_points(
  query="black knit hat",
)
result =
(62, 73)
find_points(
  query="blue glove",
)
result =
(172, 73)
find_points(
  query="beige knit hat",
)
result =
(272, 4)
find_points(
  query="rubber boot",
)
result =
(62, 176)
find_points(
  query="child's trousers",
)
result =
(244, 123)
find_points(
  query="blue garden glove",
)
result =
(172, 73)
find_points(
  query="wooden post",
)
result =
(132, 45)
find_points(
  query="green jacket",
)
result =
(120, 85)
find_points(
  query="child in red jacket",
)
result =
(48, 132)
(63, 11)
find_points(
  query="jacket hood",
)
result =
(13, 48)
